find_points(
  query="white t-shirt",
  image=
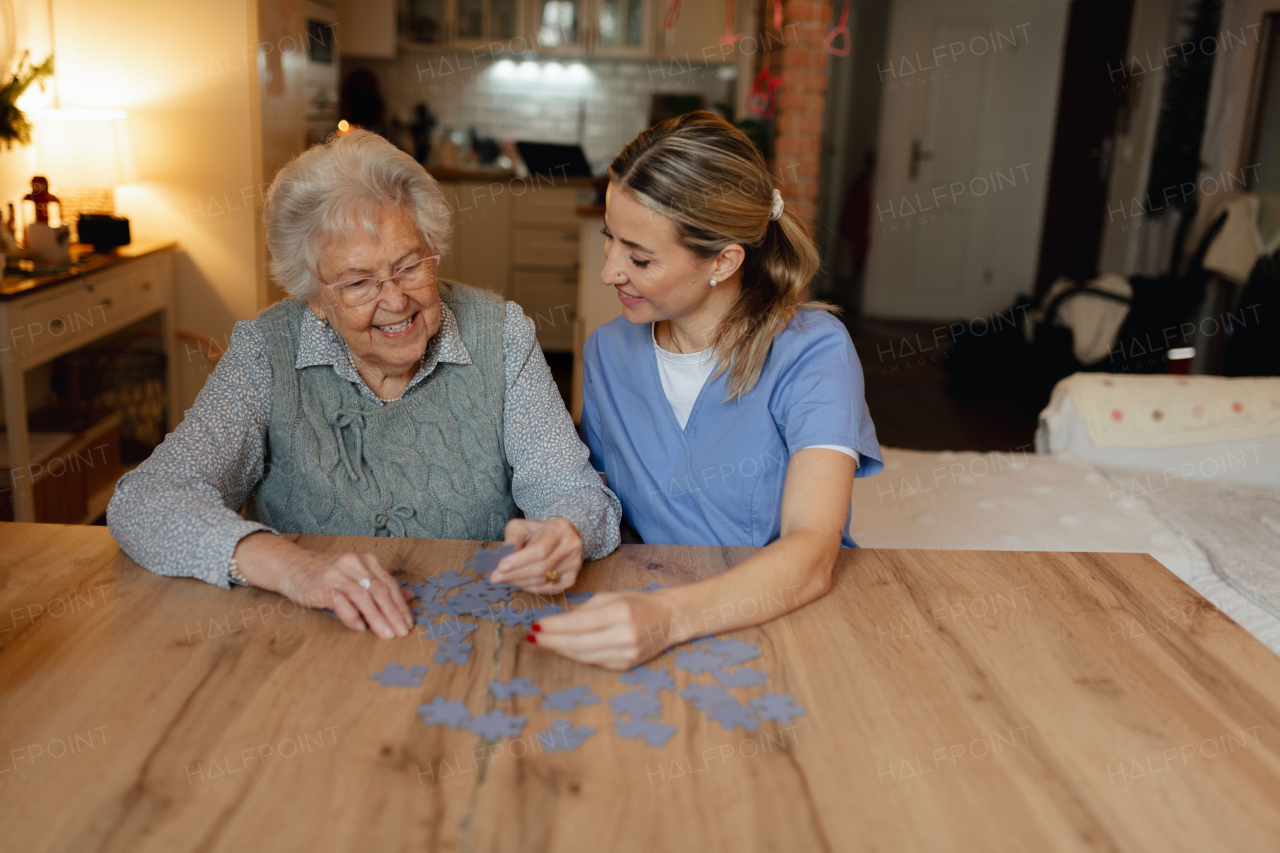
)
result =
(684, 374)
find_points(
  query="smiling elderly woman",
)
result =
(376, 401)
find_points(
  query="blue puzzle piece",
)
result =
(436, 608)
(423, 590)
(441, 712)
(732, 716)
(497, 724)
(732, 651)
(706, 696)
(780, 707)
(649, 679)
(698, 662)
(636, 704)
(580, 596)
(451, 651)
(564, 736)
(489, 592)
(653, 587)
(654, 734)
(468, 603)
(542, 612)
(514, 687)
(484, 561)
(743, 676)
(567, 700)
(511, 617)
(394, 675)
(445, 629)
(449, 579)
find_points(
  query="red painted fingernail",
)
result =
(537, 627)
(531, 638)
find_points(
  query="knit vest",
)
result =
(431, 466)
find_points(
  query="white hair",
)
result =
(331, 186)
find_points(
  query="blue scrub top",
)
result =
(719, 480)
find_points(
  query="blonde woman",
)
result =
(721, 408)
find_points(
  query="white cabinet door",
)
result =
(481, 253)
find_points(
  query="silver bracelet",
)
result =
(233, 573)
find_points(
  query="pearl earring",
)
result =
(713, 282)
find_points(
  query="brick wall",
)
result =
(803, 66)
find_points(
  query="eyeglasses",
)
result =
(354, 292)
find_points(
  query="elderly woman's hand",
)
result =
(547, 559)
(312, 579)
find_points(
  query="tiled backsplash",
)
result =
(598, 103)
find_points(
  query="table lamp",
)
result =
(85, 154)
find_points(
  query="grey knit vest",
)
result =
(432, 465)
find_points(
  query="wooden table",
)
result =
(967, 701)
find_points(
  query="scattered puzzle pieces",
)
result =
(453, 651)
(497, 724)
(514, 687)
(743, 676)
(732, 651)
(733, 715)
(654, 734)
(441, 712)
(652, 680)
(449, 580)
(489, 592)
(780, 707)
(580, 596)
(636, 704)
(564, 736)
(567, 700)
(549, 610)
(698, 662)
(395, 675)
(445, 629)
(484, 561)
(706, 696)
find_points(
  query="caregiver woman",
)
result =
(722, 410)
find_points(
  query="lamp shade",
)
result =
(84, 149)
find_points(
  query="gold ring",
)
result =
(553, 576)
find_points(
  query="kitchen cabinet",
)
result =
(544, 273)
(597, 302)
(457, 23)
(481, 250)
(367, 28)
(595, 27)
(697, 33)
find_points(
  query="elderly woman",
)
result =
(378, 400)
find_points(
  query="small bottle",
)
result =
(11, 225)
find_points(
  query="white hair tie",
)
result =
(776, 213)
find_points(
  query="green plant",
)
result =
(14, 124)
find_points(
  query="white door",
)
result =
(969, 94)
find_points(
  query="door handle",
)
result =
(918, 156)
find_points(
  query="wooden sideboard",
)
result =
(45, 317)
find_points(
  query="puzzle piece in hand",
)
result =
(780, 707)
(447, 628)
(732, 651)
(636, 704)
(567, 700)
(580, 596)
(743, 676)
(484, 561)
(497, 724)
(652, 680)
(564, 736)
(654, 734)
(449, 580)
(698, 662)
(733, 715)
(514, 687)
(452, 651)
(706, 696)
(394, 675)
(441, 712)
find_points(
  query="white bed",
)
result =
(1216, 533)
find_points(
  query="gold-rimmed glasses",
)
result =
(354, 292)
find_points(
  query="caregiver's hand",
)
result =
(312, 579)
(612, 630)
(541, 547)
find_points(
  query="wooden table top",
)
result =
(957, 700)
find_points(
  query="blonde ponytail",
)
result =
(704, 175)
